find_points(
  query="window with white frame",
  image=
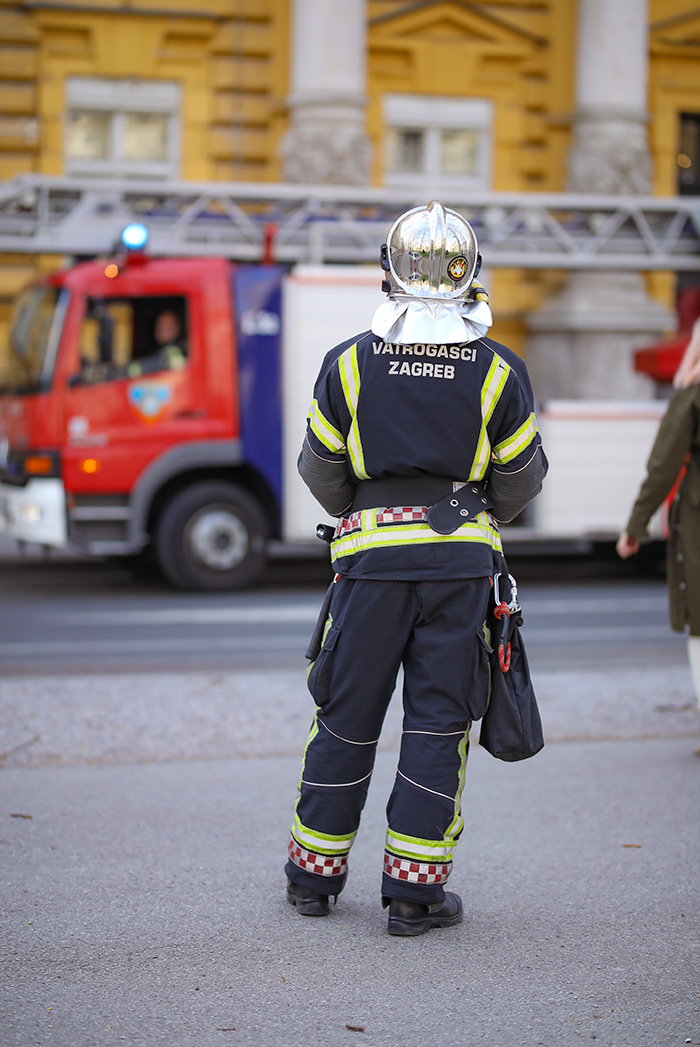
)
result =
(122, 128)
(436, 143)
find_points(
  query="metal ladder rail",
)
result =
(317, 224)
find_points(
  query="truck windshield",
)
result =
(35, 329)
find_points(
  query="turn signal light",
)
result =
(89, 465)
(38, 465)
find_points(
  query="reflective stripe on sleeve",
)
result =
(509, 449)
(493, 387)
(350, 379)
(322, 428)
(491, 392)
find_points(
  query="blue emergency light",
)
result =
(135, 236)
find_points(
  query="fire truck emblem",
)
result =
(457, 268)
(149, 400)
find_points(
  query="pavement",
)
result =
(143, 826)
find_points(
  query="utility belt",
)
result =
(450, 503)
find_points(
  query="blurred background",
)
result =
(257, 152)
(192, 202)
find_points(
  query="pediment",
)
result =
(681, 30)
(457, 21)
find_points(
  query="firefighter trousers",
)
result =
(438, 632)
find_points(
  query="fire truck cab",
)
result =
(141, 408)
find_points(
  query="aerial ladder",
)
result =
(338, 224)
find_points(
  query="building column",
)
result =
(581, 343)
(327, 142)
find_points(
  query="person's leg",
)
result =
(352, 681)
(446, 686)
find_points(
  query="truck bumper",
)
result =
(35, 512)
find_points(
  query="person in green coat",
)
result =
(677, 444)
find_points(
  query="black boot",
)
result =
(308, 902)
(409, 918)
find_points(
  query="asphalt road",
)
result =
(149, 748)
(144, 905)
(67, 616)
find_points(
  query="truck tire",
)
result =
(211, 536)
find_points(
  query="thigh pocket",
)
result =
(318, 676)
(481, 689)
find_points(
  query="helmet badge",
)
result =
(457, 268)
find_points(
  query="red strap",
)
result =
(504, 657)
(501, 610)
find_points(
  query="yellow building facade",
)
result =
(217, 81)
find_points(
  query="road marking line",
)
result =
(309, 612)
(195, 615)
(594, 605)
(548, 636)
(52, 648)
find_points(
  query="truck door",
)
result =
(130, 397)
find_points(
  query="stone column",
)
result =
(327, 142)
(581, 343)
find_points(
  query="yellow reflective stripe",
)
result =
(323, 843)
(350, 379)
(322, 428)
(457, 824)
(312, 734)
(420, 850)
(493, 386)
(509, 449)
(479, 531)
(368, 519)
(491, 391)
(482, 456)
(329, 623)
(436, 850)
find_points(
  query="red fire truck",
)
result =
(141, 409)
(155, 407)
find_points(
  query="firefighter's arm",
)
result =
(518, 462)
(327, 479)
(322, 463)
(513, 485)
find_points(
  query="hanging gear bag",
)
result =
(511, 728)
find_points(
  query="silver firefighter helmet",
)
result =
(431, 252)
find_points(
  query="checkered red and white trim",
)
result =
(348, 524)
(397, 514)
(321, 864)
(415, 872)
(402, 514)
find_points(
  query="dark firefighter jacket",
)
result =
(382, 410)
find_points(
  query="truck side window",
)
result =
(124, 338)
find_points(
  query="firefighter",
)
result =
(420, 437)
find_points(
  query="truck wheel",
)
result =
(211, 536)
